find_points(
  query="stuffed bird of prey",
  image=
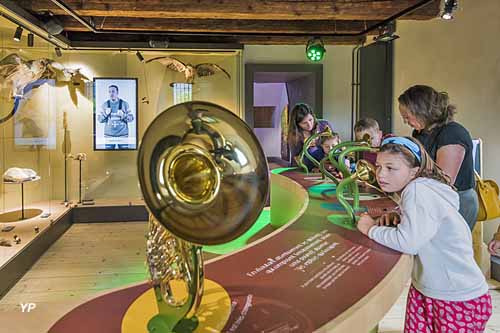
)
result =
(18, 73)
(190, 72)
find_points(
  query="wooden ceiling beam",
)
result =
(129, 40)
(240, 9)
(288, 40)
(220, 26)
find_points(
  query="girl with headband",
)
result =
(448, 292)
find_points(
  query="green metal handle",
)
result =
(305, 152)
(346, 182)
(327, 173)
(353, 185)
(334, 155)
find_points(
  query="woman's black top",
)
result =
(451, 134)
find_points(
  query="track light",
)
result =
(315, 49)
(58, 52)
(31, 40)
(449, 7)
(386, 33)
(18, 34)
(139, 56)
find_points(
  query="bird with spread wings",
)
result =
(190, 72)
(19, 73)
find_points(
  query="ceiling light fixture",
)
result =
(139, 56)
(449, 7)
(18, 34)
(58, 52)
(386, 33)
(31, 40)
(315, 49)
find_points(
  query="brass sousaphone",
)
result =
(204, 179)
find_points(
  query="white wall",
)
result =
(270, 94)
(336, 77)
(461, 57)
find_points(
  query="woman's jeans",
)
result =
(469, 206)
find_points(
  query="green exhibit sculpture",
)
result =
(305, 150)
(348, 186)
(365, 172)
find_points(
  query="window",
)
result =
(183, 92)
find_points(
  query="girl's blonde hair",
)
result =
(427, 167)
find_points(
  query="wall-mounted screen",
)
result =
(115, 113)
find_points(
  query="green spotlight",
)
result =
(315, 50)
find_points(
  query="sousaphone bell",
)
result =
(204, 179)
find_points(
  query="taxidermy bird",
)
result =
(72, 79)
(190, 72)
(18, 73)
(74, 75)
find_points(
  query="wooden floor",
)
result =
(86, 260)
(91, 258)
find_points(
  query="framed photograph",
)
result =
(115, 113)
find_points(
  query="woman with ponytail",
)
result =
(448, 143)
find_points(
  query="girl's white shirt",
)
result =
(434, 232)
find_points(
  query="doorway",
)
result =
(271, 91)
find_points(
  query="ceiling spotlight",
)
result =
(386, 33)
(139, 56)
(58, 52)
(315, 49)
(449, 7)
(18, 34)
(31, 40)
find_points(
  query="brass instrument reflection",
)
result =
(204, 178)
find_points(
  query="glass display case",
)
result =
(54, 122)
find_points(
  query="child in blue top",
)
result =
(448, 291)
(325, 144)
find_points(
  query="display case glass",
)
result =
(54, 121)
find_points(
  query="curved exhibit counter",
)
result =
(307, 275)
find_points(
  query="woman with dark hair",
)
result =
(447, 142)
(303, 124)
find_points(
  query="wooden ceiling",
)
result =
(224, 21)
